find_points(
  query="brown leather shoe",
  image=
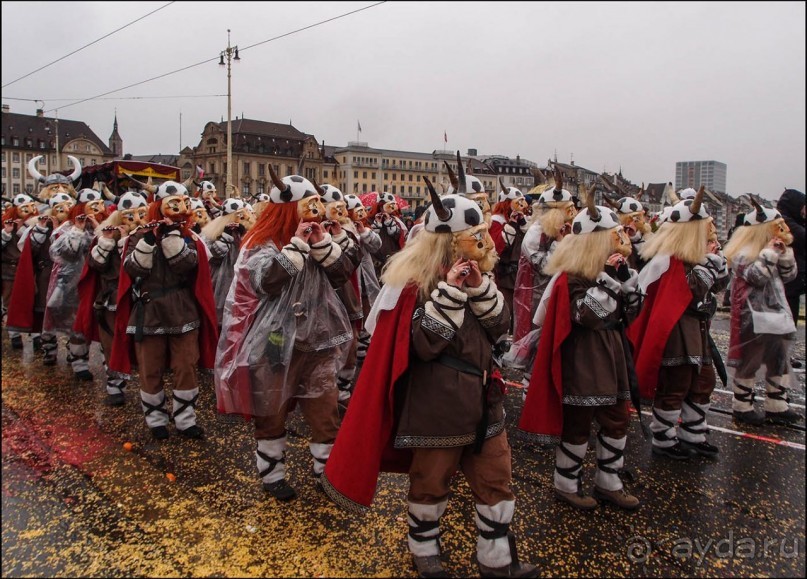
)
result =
(577, 500)
(430, 566)
(511, 570)
(619, 498)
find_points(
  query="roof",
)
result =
(264, 129)
(42, 129)
(172, 160)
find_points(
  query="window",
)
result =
(364, 174)
(289, 170)
(355, 174)
(211, 149)
(324, 175)
(417, 190)
(28, 157)
(394, 177)
(92, 161)
(246, 189)
(15, 157)
(15, 142)
(364, 187)
(16, 188)
(29, 143)
(41, 144)
(15, 173)
(393, 189)
(224, 167)
(4, 172)
(411, 178)
(385, 176)
(247, 168)
(260, 188)
(212, 169)
(374, 175)
(261, 169)
(410, 189)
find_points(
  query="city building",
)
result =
(27, 136)
(256, 144)
(710, 174)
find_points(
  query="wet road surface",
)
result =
(75, 502)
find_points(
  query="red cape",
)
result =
(496, 228)
(23, 293)
(665, 303)
(542, 415)
(120, 360)
(364, 445)
(86, 324)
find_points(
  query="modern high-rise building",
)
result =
(710, 174)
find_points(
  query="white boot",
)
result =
(271, 458)
(156, 415)
(664, 427)
(185, 413)
(610, 459)
(424, 528)
(777, 402)
(742, 405)
(492, 546)
(320, 452)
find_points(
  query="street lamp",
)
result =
(232, 54)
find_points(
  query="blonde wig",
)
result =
(259, 207)
(686, 241)
(582, 255)
(213, 230)
(554, 217)
(748, 240)
(423, 261)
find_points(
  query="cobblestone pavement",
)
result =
(75, 502)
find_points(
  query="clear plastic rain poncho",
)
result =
(760, 316)
(68, 250)
(260, 335)
(222, 278)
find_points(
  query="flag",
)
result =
(445, 136)
(200, 171)
(359, 123)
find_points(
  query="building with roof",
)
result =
(27, 136)
(256, 144)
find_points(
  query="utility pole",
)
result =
(232, 54)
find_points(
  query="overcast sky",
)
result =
(612, 84)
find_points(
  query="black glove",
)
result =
(149, 237)
(623, 272)
(164, 228)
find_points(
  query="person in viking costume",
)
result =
(16, 218)
(223, 237)
(673, 352)
(285, 333)
(425, 403)
(385, 219)
(582, 369)
(70, 244)
(29, 294)
(548, 226)
(335, 203)
(166, 315)
(633, 218)
(762, 325)
(199, 215)
(473, 188)
(98, 285)
(507, 228)
(370, 242)
(55, 182)
(206, 191)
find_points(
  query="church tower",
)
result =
(115, 142)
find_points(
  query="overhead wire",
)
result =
(86, 45)
(96, 97)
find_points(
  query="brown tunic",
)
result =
(439, 405)
(594, 366)
(171, 307)
(688, 341)
(108, 272)
(10, 256)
